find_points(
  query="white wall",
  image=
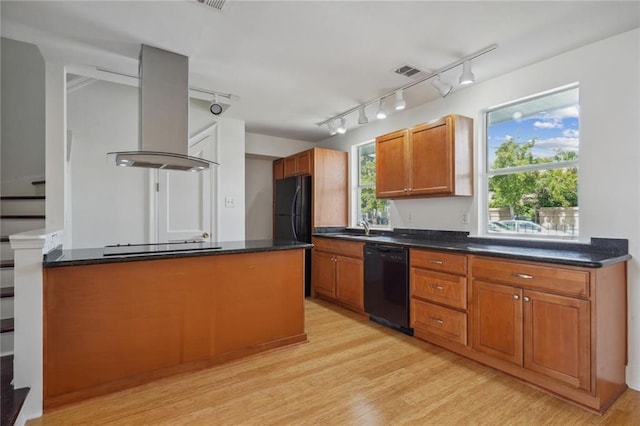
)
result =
(110, 204)
(259, 198)
(608, 72)
(23, 117)
(231, 179)
(275, 147)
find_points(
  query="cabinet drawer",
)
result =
(439, 321)
(345, 248)
(442, 288)
(527, 275)
(439, 261)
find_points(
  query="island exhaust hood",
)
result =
(164, 115)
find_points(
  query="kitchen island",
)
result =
(113, 322)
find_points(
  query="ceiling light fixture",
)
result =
(381, 114)
(443, 87)
(342, 128)
(332, 128)
(362, 116)
(467, 76)
(400, 102)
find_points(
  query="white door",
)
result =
(184, 199)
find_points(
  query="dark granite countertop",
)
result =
(88, 256)
(598, 253)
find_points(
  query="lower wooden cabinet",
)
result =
(338, 272)
(560, 328)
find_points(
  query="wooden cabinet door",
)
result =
(350, 281)
(278, 169)
(323, 273)
(557, 337)
(289, 166)
(303, 163)
(430, 157)
(497, 320)
(391, 160)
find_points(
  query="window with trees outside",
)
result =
(532, 166)
(371, 209)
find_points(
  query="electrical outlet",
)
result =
(465, 218)
(229, 202)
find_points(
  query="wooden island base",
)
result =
(113, 326)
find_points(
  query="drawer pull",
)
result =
(526, 299)
(439, 321)
(523, 276)
(436, 262)
(516, 297)
(437, 287)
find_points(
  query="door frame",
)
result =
(208, 131)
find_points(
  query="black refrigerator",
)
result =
(293, 216)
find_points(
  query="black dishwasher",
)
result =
(386, 286)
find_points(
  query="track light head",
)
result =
(217, 108)
(362, 116)
(332, 128)
(467, 76)
(400, 102)
(342, 128)
(443, 87)
(381, 114)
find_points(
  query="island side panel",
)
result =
(112, 326)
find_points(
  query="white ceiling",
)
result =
(294, 64)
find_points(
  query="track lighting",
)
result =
(400, 103)
(443, 87)
(381, 114)
(362, 117)
(467, 76)
(332, 128)
(215, 107)
(342, 128)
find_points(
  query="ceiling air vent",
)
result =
(216, 4)
(410, 71)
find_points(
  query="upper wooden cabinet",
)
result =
(298, 164)
(432, 159)
(328, 169)
(278, 169)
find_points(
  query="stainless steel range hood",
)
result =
(164, 115)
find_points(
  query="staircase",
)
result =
(18, 213)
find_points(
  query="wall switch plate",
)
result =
(465, 218)
(229, 202)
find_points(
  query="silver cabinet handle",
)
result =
(516, 297)
(439, 321)
(523, 276)
(526, 299)
(437, 287)
(436, 262)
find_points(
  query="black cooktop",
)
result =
(124, 249)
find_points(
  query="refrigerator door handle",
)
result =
(293, 213)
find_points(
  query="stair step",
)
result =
(11, 400)
(6, 292)
(6, 325)
(6, 304)
(6, 277)
(22, 205)
(6, 343)
(14, 226)
(4, 239)
(6, 264)
(22, 216)
(38, 182)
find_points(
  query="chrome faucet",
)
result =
(365, 225)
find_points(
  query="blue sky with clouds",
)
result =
(553, 130)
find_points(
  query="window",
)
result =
(532, 166)
(369, 208)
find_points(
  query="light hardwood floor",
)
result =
(352, 372)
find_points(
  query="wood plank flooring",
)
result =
(352, 372)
